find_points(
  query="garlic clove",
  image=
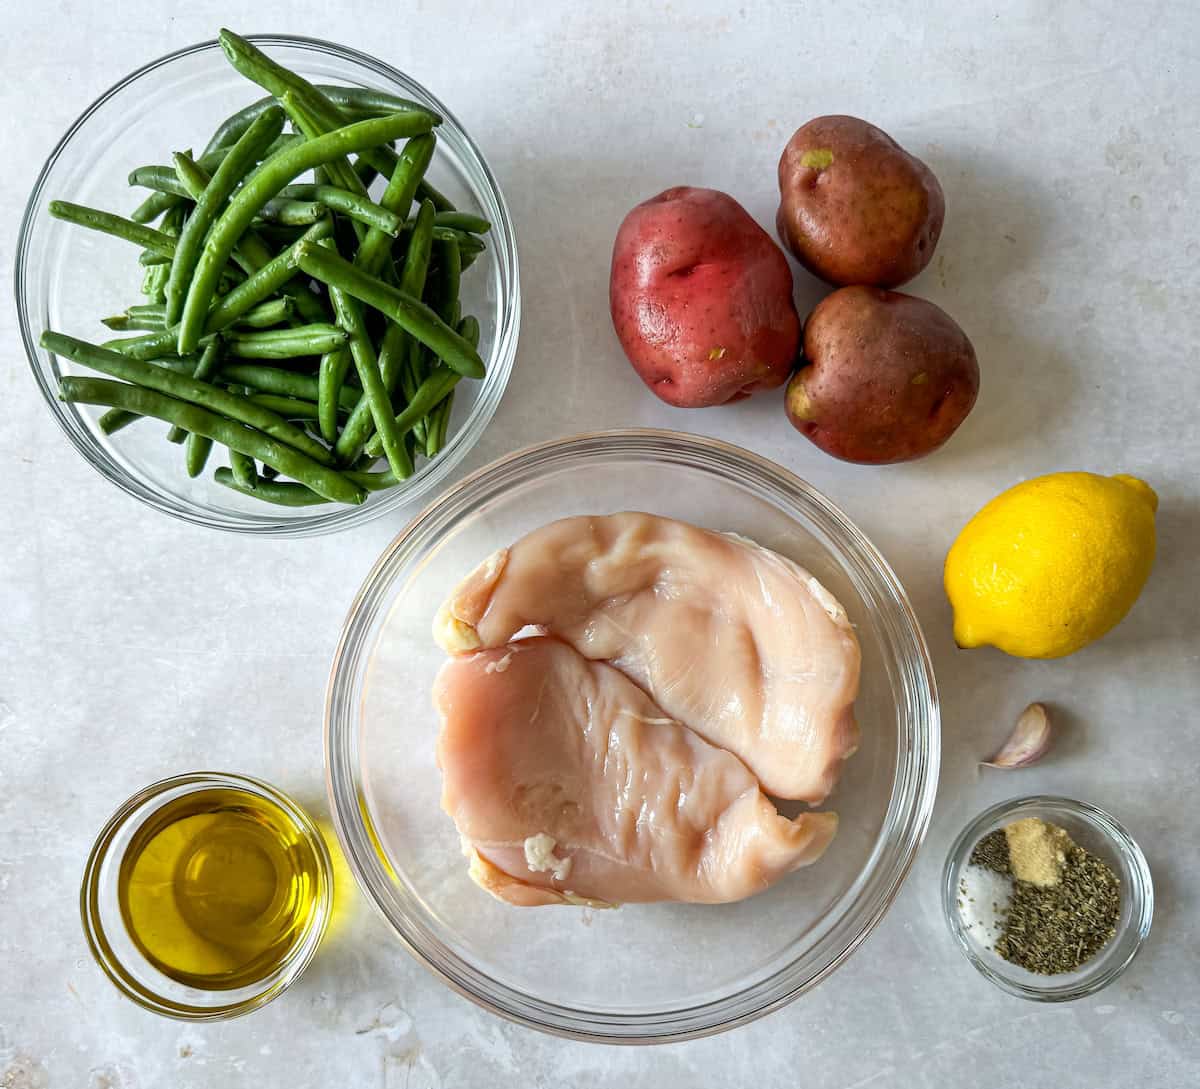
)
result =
(1028, 743)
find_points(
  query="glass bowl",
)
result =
(67, 277)
(135, 975)
(643, 973)
(1095, 831)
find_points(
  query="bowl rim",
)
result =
(500, 363)
(918, 766)
(273, 985)
(1113, 831)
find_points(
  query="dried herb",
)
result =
(1056, 928)
(992, 852)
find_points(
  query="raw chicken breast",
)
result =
(568, 785)
(738, 643)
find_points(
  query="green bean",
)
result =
(147, 316)
(310, 113)
(151, 259)
(397, 198)
(234, 167)
(384, 160)
(275, 380)
(361, 99)
(347, 203)
(243, 470)
(285, 343)
(449, 281)
(437, 426)
(272, 491)
(196, 453)
(308, 106)
(292, 213)
(232, 128)
(154, 206)
(161, 179)
(247, 440)
(264, 183)
(331, 374)
(145, 347)
(443, 297)
(268, 313)
(396, 344)
(367, 98)
(290, 408)
(467, 243)
(411, 314)
(468, 329)
(154, 282)
(372, 481)
(185, 388)
(190, 175)
(251, 252)
(469, 255)
(117, 226)
(463, 221)
(299, 495)
(427, 397)
(435, 436)
(262, 284)
(115, 419)
(146, 310)
(366, 363)
(203, 371)
(123, 323)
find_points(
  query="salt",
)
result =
(982, 899)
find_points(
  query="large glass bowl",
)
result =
(68, 278)
(642, 973)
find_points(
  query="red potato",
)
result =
(701, 299)
(889, 376)
(854, 206)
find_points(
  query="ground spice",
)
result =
(1055, 928)
(1037, 851)
(992, 852)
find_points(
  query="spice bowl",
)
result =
(1097, 832)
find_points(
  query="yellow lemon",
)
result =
(1052, 564)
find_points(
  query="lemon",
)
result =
(1051, 564)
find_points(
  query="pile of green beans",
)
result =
(308, 327)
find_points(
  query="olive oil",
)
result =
(217, 887)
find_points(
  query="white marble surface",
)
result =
(1067, 136)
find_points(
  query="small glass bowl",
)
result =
(67, 278)
(1094, 830)
(119, 956)
(644, 973)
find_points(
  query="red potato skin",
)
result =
(701, 299)
(872, 214)
(889, 377)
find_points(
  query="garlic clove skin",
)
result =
(1028, 743)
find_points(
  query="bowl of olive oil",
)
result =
(206, 895)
